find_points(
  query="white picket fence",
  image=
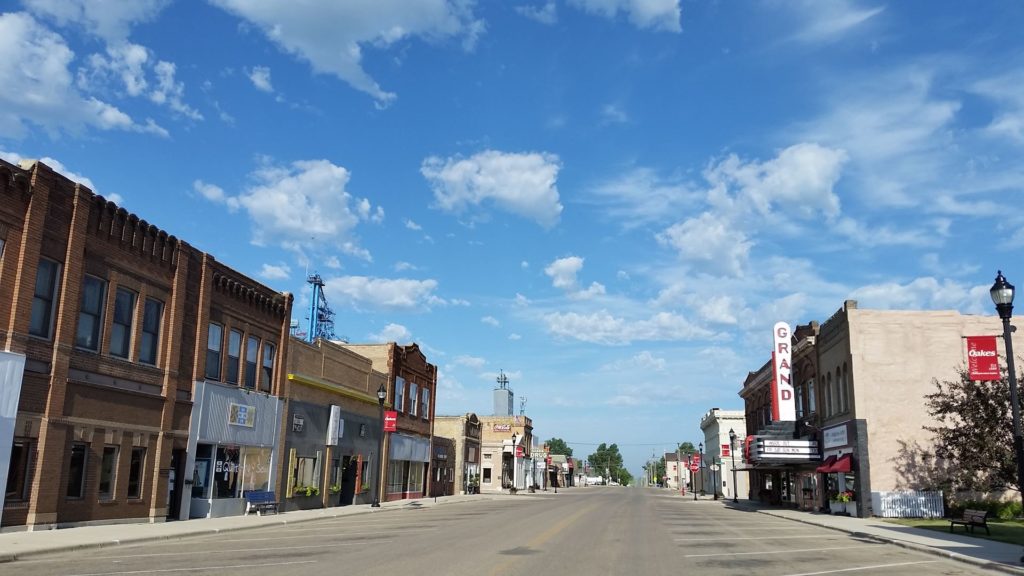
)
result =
(907, 504)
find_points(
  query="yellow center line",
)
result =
(543, 537)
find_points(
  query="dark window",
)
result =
(150, 331)
(17, 471)
(135, 472)
(90, 315)
(213, 345)
(121, 329)
(234, 356)
(252, 350)
(108, 472)
(267, 379)
(44, 298)
(76, 471)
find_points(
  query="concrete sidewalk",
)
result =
(957, 546)
(15, 545)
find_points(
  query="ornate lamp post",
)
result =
(732, 454)
(382, 393)
(1002, 296)
(700, 467)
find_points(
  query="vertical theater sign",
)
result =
(783, 404)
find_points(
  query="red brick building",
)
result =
(112, 315)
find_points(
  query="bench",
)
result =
(970, 519)
(261, 501)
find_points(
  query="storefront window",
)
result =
(416, 476)
(226, 472)
(397, 471)
(201, 473)
(256, 468)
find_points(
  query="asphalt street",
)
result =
(586, 531)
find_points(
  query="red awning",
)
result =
(826, 465)
(842, 465)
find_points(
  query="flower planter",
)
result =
(851, 509)
(836, 507)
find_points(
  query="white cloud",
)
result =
(170, 92)
(470, 361)
(331, 36)
(260, 78)
(546, 14)
(709, 240)
(276, 272)
(521, 301)
(641, 197)
(563, 276)
(717, 308)
(644, 361)
(300, 205)
(524, 265)
(799, 180)
(514, 336)
(111, 21)
(830, 21)
(921, 293)
(653, 14)
(412, 225)
(603, 328)
(363, 292)
(393, 333)
(1005, 90)
(612, 114)
(490, 321)
(211, 192)
(403, 266)
(38, 86)
(520, 183)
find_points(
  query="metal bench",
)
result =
(260, 501)
(970, 519)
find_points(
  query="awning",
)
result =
(826, 466)
(842, 465)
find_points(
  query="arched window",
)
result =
(812, 401)
(845, 387)
(828, 395)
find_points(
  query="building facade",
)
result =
(111, 315)
(719, 458)
(507, 462)
(412, 384)
(442, 466)
(465, 431)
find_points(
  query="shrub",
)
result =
(1004, 510)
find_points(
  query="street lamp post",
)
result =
(512, 490)
(700, 466)
(382, 393)
(1002, 296)
(732, 454)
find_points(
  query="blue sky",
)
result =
(612, 201)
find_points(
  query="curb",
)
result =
(987, 564)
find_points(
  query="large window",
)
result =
(398, 471)
(252, 350)
(108, 472)
(136, 472)
(267, 379)
(414, 396)
(150, 331)
(425, 403)
(76, 471)
(306, 472)
(90, 314)
(234, 356)
(213, 346)
(399, 393)
(812, 400)
(121, 329)
(17, 472)
(44, 299)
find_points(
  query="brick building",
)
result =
(111, 314)
(465, 431)
(507, 462)
(330, 388)
(412, 388)
(442, 466)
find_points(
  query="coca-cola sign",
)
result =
(982, 359)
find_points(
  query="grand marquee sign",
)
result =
(777, 449)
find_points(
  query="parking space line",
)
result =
(196, 568)
(799, 537)
(782, 551)
(865, 568)
(222, 550)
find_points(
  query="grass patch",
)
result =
(1009, 531)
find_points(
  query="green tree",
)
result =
(687, 448)
(975, 435)
(608, 459)
(558, 446)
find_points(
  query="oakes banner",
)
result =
(982, 358)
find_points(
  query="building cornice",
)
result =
(336, 389)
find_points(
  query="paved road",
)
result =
(588, 531)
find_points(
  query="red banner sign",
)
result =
(982, 359)
(520, 452)
(726, 450)
(390, 421)
(693, 467)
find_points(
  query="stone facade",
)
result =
(465, 431)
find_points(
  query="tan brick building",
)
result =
(111, 314)
(328, 381)
(505, 463)
(465, 431)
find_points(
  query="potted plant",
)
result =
(306, 491)
(335, 488)
(849, 501)
(474, 484)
